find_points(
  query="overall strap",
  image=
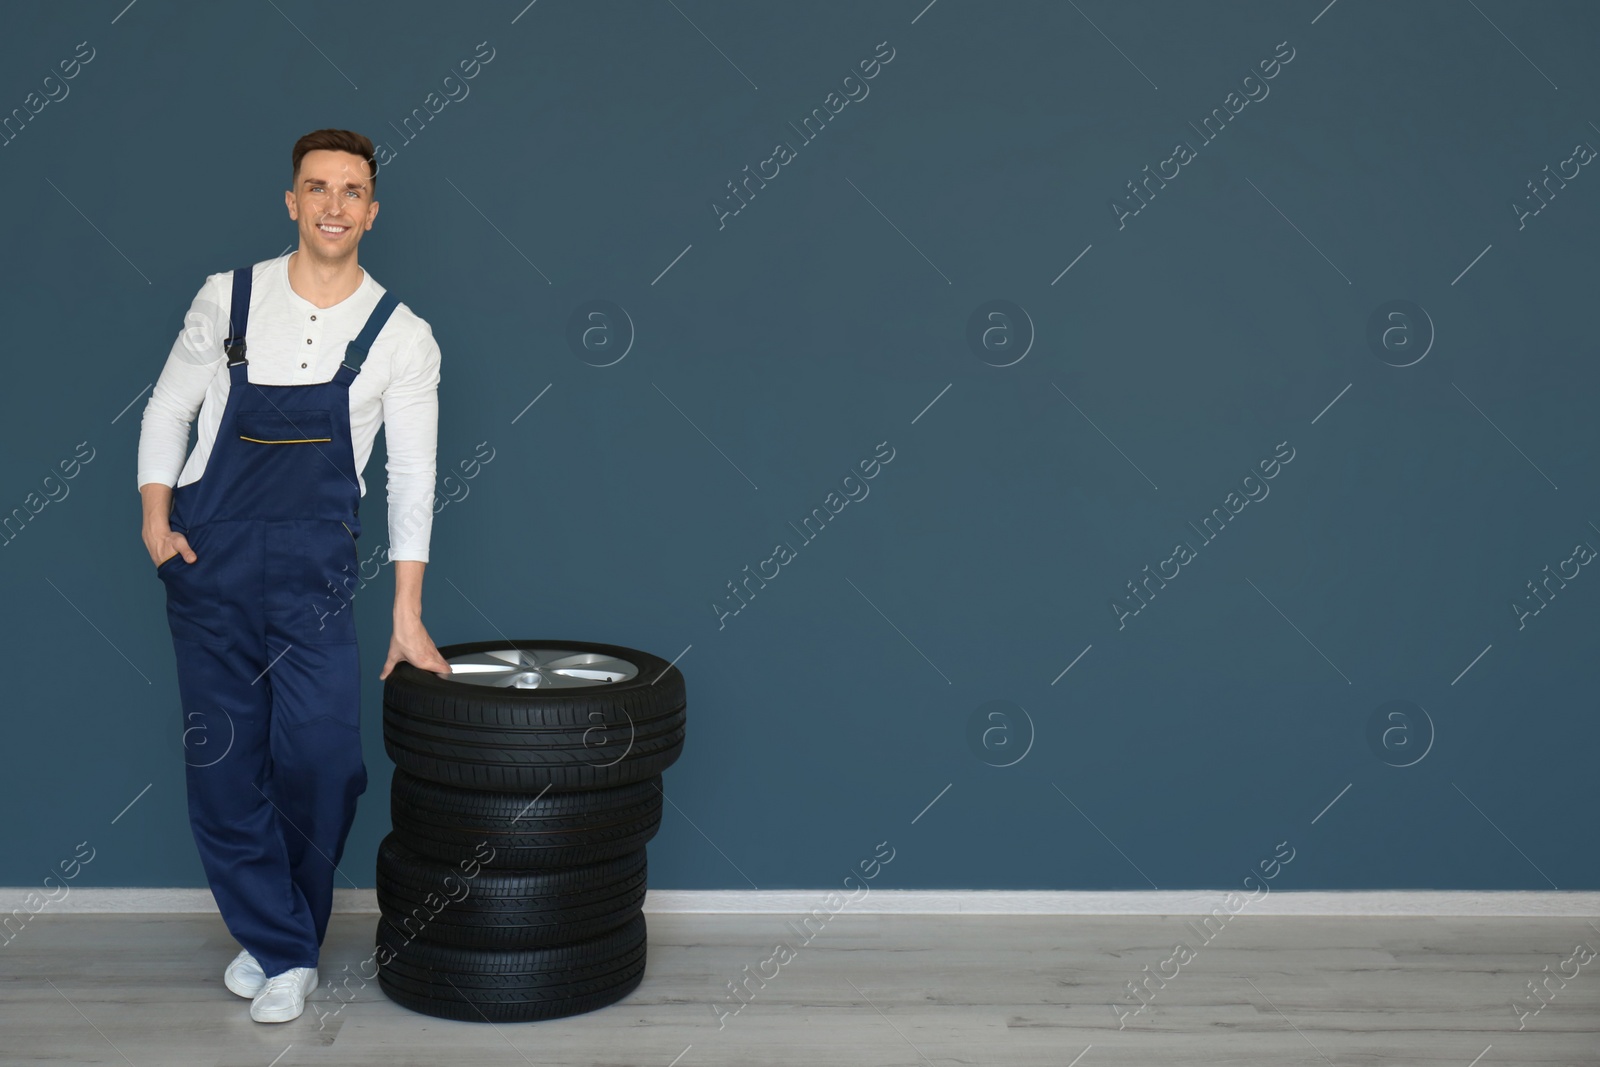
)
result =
(356, 350)
(238, 316)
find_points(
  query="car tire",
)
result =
(479, 906)
(521, 716)
(527, 830)
(517, 985)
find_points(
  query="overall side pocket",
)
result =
(193, 612)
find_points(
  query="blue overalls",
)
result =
(266, 648)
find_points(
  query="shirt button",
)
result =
(308, 340)
(313, 318)
(302, 366)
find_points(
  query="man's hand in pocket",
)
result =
(164, 544)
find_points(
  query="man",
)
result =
(256, 546)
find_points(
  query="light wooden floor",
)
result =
(867, 990)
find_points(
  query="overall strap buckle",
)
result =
(356, 351)
(238, 316)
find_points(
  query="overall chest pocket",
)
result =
(285, 427)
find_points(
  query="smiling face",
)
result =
(332, 203)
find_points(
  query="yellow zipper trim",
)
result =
(347, 529)
(290, 441)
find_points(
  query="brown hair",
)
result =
(335, 141)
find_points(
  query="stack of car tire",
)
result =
(527, 783)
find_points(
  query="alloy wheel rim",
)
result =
(538, 668)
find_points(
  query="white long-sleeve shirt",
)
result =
(294, 342)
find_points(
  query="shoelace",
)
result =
(288, 980)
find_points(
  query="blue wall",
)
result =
(1069, 387)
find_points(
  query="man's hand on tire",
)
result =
(412, 644)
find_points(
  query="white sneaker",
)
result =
(283, 997)
(244, 975)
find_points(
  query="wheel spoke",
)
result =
(589, 661)
(569, 679)
(479, 662)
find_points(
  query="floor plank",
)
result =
(890, 990)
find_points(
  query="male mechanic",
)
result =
(302, 357)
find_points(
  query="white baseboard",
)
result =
(94, 900)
